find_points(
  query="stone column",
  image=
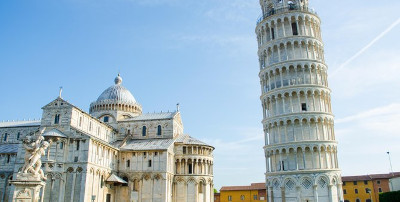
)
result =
(315, 193)
(270, 198)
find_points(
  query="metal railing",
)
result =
(289, 8)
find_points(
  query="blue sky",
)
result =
(203, 54)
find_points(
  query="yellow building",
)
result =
(254, 192)
(366, 188)
(358, 189)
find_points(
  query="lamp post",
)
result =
(391, 170)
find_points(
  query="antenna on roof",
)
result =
(61, 88)
(177, 107)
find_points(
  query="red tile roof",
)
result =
(370, 177)
(253, 186)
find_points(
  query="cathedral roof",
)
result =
(117, 93)
(186, 139)
(153, 116)
(20, 124)
(158, 144)
(8, 148)
(148, 144)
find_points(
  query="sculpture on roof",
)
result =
(35, 147)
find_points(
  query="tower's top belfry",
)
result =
(268, 5)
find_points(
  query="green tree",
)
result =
(389, 196)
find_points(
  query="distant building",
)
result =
(254, 192)
(114, 153)
(366, 188)
(217, 197)
(394, 184)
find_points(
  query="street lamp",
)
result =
(391, 170)
(390, 161)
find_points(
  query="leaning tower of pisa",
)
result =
(300, 146)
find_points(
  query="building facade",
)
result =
(366, 188)
(300, 146)
(253, 193)
(113, 153)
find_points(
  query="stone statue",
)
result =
(35, 147)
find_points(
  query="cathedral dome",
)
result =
(117, 93)
(116, 98)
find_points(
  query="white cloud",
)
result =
(375, 72)
(391, 111)
(364, 139)
(376, 39)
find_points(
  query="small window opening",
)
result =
(159, 130)
(8, 158)
(61, 145)
(106, 119)
(144, 131)
(190, 169)
(303, 106)
(80, 121)
(128, 163)
(76, 159)
(155, 153)
(5, 137)
(57, 119)
(294, 29)
(184, 150)
(272, 33)
(18, 135)
(77, 145)
(149, 163)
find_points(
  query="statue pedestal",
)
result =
(27, 188)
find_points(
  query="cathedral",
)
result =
(114, 153)
(300, 144)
